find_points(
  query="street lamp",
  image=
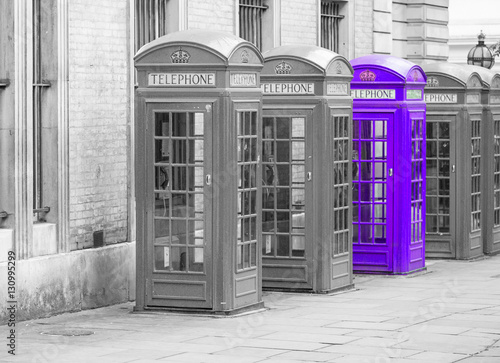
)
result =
(481, 55)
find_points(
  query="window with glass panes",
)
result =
(417, 161)
(179, 192)
(369, 193)
(475, 175)
(496, 173)
(341, 184)
(330, 24)
(247, 190)
(438, 176)
(283, 192)
(250, 17)
(150, 21)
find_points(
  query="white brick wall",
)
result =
(363, 28)
(214, 15)
(299, 19)
(98, 120)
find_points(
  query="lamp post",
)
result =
(481, 55)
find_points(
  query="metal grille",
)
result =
(247, 190)
(38, 85)
(251, 21)
(341, 185)
(417, 180)
(179, 192)
(496, 174)
(283, 193)
(330, 25)
(150, 21)
(438, 177)
(475, 175)
(369, 192)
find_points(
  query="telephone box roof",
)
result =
(461, 73)
(221, 43)
(400, 66)
(321, 58)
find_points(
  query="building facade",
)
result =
(67, 81)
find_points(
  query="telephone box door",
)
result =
(286, 199)
(179, 244)
(372, 192)
(441, 188)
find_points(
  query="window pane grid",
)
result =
(330, 20)
(178, 192)
(369, 193)
(251, 21)
(475, 175)
(283, 195)
(246, 243)
(496, 173)
(341, 185)
(150, 21)
(437, 177)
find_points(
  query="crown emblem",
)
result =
(367, 76)
(416, 76)
(245, 57)
(338, 68)
(432, 82)
(180, 56)
(283, 68)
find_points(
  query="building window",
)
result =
(251, 13)
(150, 21)
(330, 24)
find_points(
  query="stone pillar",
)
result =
(427, 30)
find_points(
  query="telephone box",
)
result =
(306, 168)
(198, 136)
(389, 170)
(455, 199)
(490, 99)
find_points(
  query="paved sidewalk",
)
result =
(449, 314)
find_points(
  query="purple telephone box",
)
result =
(388, 165)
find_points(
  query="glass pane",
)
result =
(444, 130)
(298, 246)
(365, 233)
(268, 245)
(268, 128)
(283, 248)
(379, 132)
(162, 151)
(298, 174)
(298, 127)
(282, 128)
(432, 184)
(283, 200)
(298, 151)
(444, 168)
(431, 223)
(298, 200)
(431, 130)
(283, 222)
(283, 175)
(196, 259)
(431, 149)
(444, 149)
(179, 124)
(162, 258)
(431, 168)
(283, 151)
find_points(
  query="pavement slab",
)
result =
(449, 314)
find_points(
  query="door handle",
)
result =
(390, 171)
(309, 176)
(453, 168)
(208, 179)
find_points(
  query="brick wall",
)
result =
(363, 28)
(214, 15)
(299, 19)
(98, 120)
